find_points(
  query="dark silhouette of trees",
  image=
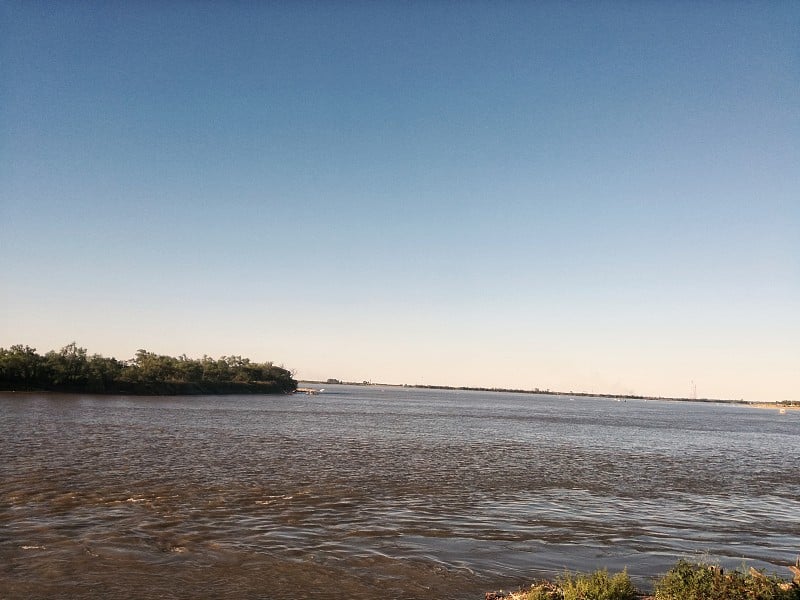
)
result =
(72, 369)
(20, 363)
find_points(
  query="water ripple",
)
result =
(420, 492)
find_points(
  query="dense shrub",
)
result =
(687, 581)
(597, 586)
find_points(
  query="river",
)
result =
(368, 491)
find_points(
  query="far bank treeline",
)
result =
(73, 370)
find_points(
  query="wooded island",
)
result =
(72, 370)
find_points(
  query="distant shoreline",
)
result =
(778, 404)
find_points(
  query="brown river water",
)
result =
(381, 492)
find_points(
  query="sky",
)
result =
(577, 196)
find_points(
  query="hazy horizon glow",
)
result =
(590, 197)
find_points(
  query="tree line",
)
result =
(73, 369)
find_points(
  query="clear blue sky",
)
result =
(576, 196)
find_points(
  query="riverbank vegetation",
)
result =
(685, 581)
(72, 369)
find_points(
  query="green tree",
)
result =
(20, 365)
(69, 366)
(189, 370)
(154, 367)
(103, 372)
(71, 369)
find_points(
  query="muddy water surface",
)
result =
(361, 491)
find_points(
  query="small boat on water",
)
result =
(309, 391)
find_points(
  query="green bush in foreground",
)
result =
(578, 586)
(597, 586)
(687, 581)
(539, 593)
